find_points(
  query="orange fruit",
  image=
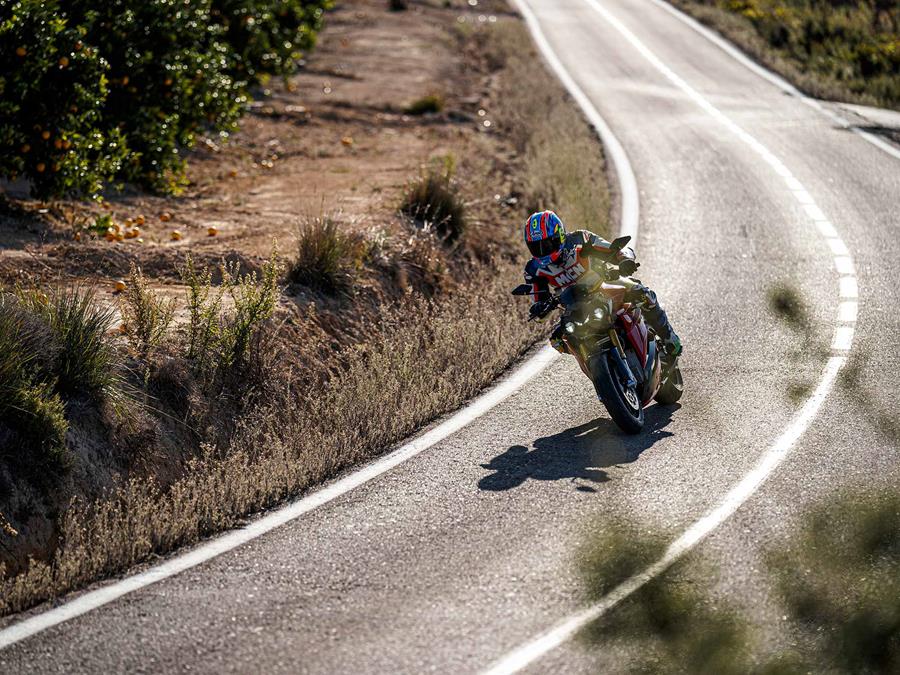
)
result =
(165, 216)
(347, 141)
(40, 167)
(124, 80)
(212, 230)
(25, 148)
(45, 135)
(77, 236)
(139, 220)
(176, 235)
(233, 173)
(110, 234)
(168, 82)
(120, 286)
(58, 144)
(64, 61)
(78, 46)
(21, 51)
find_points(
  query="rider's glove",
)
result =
(628, 267)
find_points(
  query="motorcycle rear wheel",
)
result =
(623, 405)
(672, 387)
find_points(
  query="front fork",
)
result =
(619, 361)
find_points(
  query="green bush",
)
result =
(86, 362)
(30, 411)
(853, 43)
(168, 79)
(93, 92)
(53, 86)
(431, 103)
(268, 37)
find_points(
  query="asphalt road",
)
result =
(467, 550)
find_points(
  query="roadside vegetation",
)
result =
(835, 588)
(243, 381)
(95, 93)
(831, 49)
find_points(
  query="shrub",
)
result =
(53, 86)
(218, 340)
(327, 258)
(434, 202)
(168, 79)
(93, 92)
(203, 313)
(830, 48)
(268, 37)
(147, 316)
(432, 103)
(86, 362)
(29, 408)
(254, 298)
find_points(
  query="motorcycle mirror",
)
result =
(619, 243)
(522, 289)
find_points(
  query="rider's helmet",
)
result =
(544, 235)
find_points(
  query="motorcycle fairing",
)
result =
(636, 332)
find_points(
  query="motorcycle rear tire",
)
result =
(672, 388)
(612, 394)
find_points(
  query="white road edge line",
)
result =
(234, 538)
(628, 225)
(745, 60)
(537, 647)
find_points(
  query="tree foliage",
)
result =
(95, 92)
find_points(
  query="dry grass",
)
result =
(281, 446)
(837, 51)
(558, 173)
(262, 432)
(434, 202)
(328, 258)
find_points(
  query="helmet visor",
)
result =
(544, 247)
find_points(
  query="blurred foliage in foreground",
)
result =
(837, 579)
(853, 43)
(93, 92)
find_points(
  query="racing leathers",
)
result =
(579, 250)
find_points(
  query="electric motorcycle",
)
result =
(613, 345)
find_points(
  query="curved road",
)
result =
(466, 551)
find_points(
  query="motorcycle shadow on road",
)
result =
(579, 454)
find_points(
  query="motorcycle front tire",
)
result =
(613, 395)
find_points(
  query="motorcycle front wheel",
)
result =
(622, 403)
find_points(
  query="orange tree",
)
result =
(268, 37)
(168, 79)
(93, 92)
(52, 88)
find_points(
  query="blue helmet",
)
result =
(544, 236)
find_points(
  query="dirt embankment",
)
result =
(394, 173)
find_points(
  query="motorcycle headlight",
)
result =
(570, 327)
(599, 313)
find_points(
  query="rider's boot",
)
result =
(657, 320)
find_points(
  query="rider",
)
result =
(559, 260)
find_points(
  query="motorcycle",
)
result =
(612, 344)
